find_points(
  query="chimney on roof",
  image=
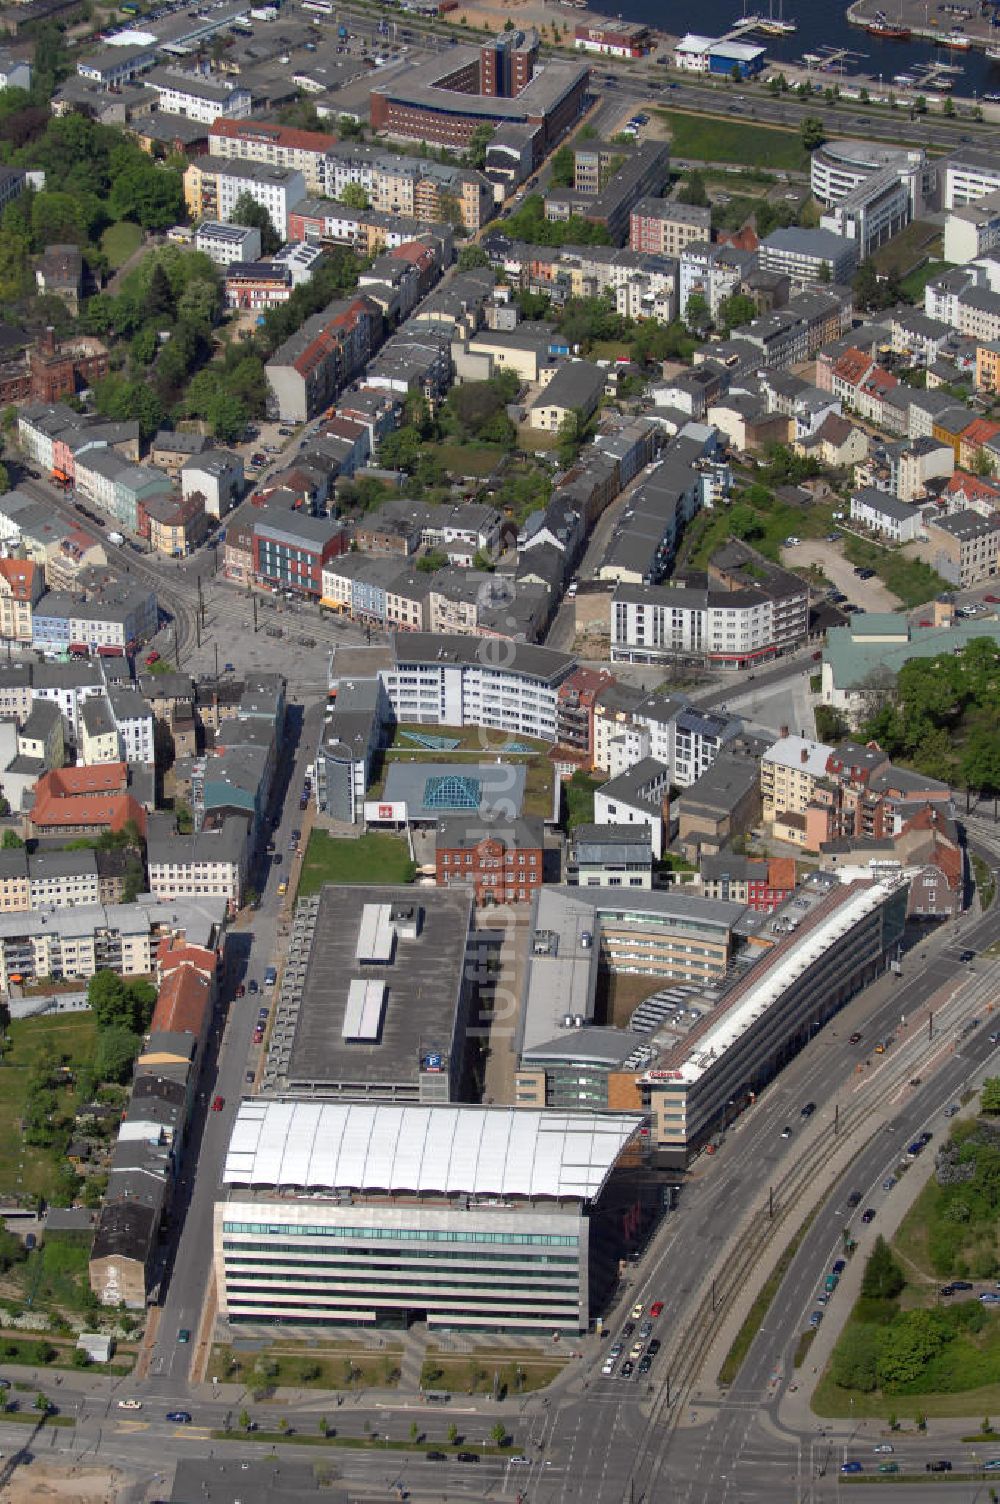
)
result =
(782, 732)
(804, 755)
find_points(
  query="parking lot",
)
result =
(870, 595)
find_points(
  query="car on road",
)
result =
(466, 1456)
(851, 1467)
(130, 1404)
(258, 1035)
(520, 1460)
(808, 1110)
(627, 1330)
(884, 1449)
(880, 1048)
(249, 1078)
(942, 1465)
(436, 1456)
(815, 1318)
(889, 1182)
(888, 1467)
(627, 1369)
(831, 1282)
(636, 1350)
(179, 1417)
(966, 956)
(855, 1198)
(838, 1266)
(218, 1103)
(637, 1310)
(252, 987)
(656, 1309)
(608, 1367)
(241, 990)
(786, 1132)
(856, 1037)
(823, 1298)
(183, 1335)
(868, 1215)
(992, 1465)
(646, 1330)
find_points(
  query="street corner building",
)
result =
(496, 1218)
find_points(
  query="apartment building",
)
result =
(807, 257)
(275, 145)
(664, 227)
(790, 771)
(307, 372)
(964, 547)
(211, 863)
(212, 186)
(226, 244)
(196, 97)
(970, 174)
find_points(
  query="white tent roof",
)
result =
(492, 1151)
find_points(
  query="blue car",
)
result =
(851, 1467)
(179, 1417)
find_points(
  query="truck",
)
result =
(270, 976)
(118, 539)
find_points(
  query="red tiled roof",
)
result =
(173, 952)
(278, 135)
(102, 811)
(972, 485)
(980, 431)
(103, 777)
(20, 576)
(852, 366)
(182, 1004)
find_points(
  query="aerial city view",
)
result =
(499, 752)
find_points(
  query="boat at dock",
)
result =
(957, 41)
(886, 30)
(904, 80)
(993, 53)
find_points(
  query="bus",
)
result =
(129, 8)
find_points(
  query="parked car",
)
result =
(868, 1215)
(808, 1110)
(656, 1309)
(253, 987)
(637, 1310)
(627, 1369)
(854, 1199)
(851, 1467)
(218, 1103)
(608, 1367)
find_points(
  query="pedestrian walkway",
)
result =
(411, 1365)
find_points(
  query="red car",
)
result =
(218, 1104)
(656, 1309)
(241, 990)
(258, 1035)
(152, 658)
(925, 623)
(994, 600)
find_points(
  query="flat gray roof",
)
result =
(432, 789)
(424, 980)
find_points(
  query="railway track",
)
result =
(798, 1193)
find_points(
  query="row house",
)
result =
(309, 369)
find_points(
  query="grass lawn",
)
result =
(779, 520)
(913, 581)
(578, 793)
(120, 241)
(319, 1366)
(375, 858)
(475, 1375)
(914, 282)
(468, 459)
(905, 250)
(607, 349)
(703, 138)
(25, 1169)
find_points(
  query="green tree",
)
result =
(989, 1102)
(244, 1420)
(693, 190)
(570, 436)
(478, 142)
(471, 256)
(498, 1432)
(354, 196)
(980, 761)
(247, 211)
(697, 314)
(452, 1434)
(160, 300)
(949, 107)
(813, 133)
(855, 1357)
(564, 167)
(907, 1346)
(883, 1277)
(744, 522)
(414, 1430)
(115, 1053)
(735, 311)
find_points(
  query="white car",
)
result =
(608, 1366)
(130, 1404)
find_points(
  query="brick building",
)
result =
(502, 861)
